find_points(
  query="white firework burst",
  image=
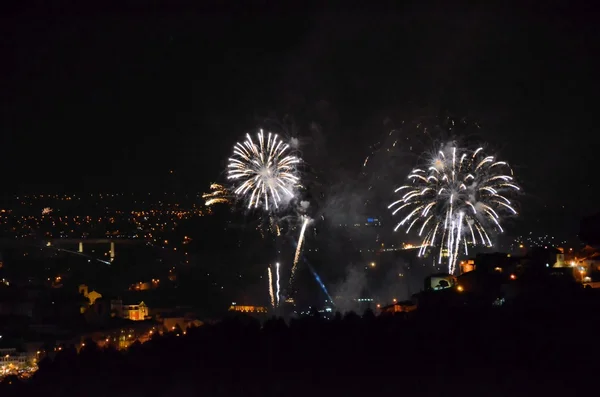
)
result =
(458, 198)
(263, 172)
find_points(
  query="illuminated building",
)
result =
(399, 307)
(143, 286)
(248, 309)
(92, 296)
(467, 266)
(137, 312)
(11, 359)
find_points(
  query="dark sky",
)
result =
(93, 101)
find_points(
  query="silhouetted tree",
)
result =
(358, 356)
(369, 315)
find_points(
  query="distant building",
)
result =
(248, 309)
(585, 265)
(171, 323)
(467, 266)
(545, 257)
(144, 286)
(180, 316)
(399, 307)
(92, 296)
(10, 358)
(136, 312)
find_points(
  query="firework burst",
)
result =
(263, 171)
(458, 198)
(218, 195)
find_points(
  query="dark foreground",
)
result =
(546, 351)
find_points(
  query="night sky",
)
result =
(114, 101)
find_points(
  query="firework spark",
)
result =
(275, 226)
(299, 248)
(271, 286)
(218, 195)
(459, 198)
(263, 171)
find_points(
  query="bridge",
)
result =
(74, 242)
(58, 242)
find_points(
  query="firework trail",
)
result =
(299, 248)
(262, 171)
(271, 286)
(277, 283)
(458, 197)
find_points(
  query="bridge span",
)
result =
(58, 242)
(79, 242)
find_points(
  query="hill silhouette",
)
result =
(499, 352)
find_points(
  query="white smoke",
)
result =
(294, 143)
(350, 289)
